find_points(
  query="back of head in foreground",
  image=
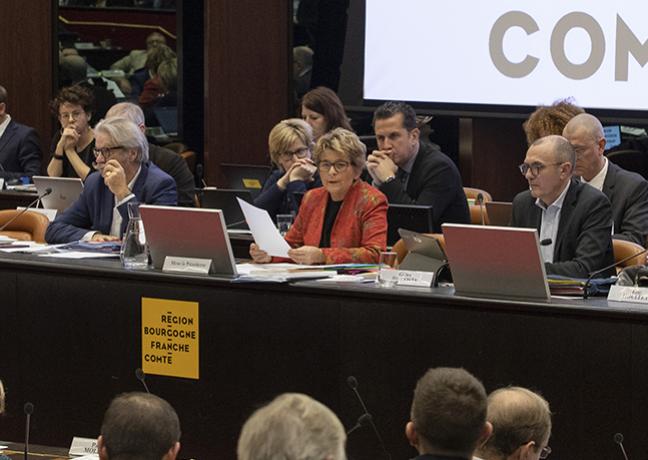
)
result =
(292, 427)
(521, 422)
(139, 426)
(448, 416)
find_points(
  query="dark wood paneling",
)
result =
(26, 62)
(247, 47)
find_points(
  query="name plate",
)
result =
(186, 265)
(628, 294)
(410, 278)
(83, 446)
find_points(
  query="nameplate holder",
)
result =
(83, 446)
(628, 294)
(49, 213)
(409, 278)
(186, 265)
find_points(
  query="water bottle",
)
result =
(134, 251)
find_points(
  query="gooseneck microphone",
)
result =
(141, 376)
(480, 202)
(29, 409)
(598, 272)
(618, 438)
(353, 384)
(47, 191)
(363, 420)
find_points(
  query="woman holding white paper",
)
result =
(345, 221)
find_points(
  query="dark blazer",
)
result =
(175, 166)
(277, 201)
(584, 242)
(20, 152)
(628, 193)
(94, 208)
(434, 180)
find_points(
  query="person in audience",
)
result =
(448, 415)
(153, 89)
(135, 61)
(547, 120)
(302, 69)
(344, 221)
(323, 110)
(165, 159)
(20, 152)
(139, 426)
(124, 176)
(290, 143)
(574, 220)
(410, 172)
(72, 146)
(627, 191)
(521, 422)
(292, 426)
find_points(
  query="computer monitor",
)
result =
(496, 262)
(417, 218)
(248, 177)
(225, 200)
(188, 232)
(499, 213)
(65, 191)
(612, 136)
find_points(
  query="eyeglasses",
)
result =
(67, 115)
(535, 168)
(545, 451)
(340, 166)
(105, 152)
(301, 152)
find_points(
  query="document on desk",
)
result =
(265, 234)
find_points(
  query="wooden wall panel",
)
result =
(247, 46)
(26, 62)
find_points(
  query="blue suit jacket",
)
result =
(20, 152)
(94, 208)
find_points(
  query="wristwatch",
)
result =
(58, 157)
(389, 179)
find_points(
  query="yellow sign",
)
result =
(252, 183)
(170, 341)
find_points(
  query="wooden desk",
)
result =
(16, 451)
(70, 341)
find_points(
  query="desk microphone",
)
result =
(47, 191)
(353, 384)
(618, 438)
(480, 201)
(363, 420)
(141, 376)
(545, 242)
(29, 409)
(615, 264)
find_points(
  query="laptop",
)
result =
(499, 213)
(225, 200)
(188, 232)
(412, 217)
(248, 177)
(65, 191)
(168, 119)
(424, 253)
(496, 262)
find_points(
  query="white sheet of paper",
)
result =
(79, 255)
(49, 213)
(265, 234)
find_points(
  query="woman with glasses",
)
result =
(345, 220)
(290, 143)
(74, 143)
(322, 109)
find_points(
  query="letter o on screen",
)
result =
(588, 68)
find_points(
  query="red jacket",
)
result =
(360, 230)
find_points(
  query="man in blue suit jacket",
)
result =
(20, 152)
(124, 175)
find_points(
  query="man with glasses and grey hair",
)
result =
(573, 219)
(521, 422)
(124, 175)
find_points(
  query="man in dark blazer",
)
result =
(627, 191)
(573, 219)
(410, 172)
(20, 152)
(124, 175)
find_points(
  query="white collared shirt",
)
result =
(115, 226)
(598, 180)
(550, 223)
(4, 124)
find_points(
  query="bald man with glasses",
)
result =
(572, 218)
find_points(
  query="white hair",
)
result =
(128, 110)
(124, 132)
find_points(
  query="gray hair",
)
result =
(127, 110)
(587, 123)
(295, 427)
(562, 149)
(3, 95)
(124, 132)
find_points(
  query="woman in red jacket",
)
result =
(345, 221)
